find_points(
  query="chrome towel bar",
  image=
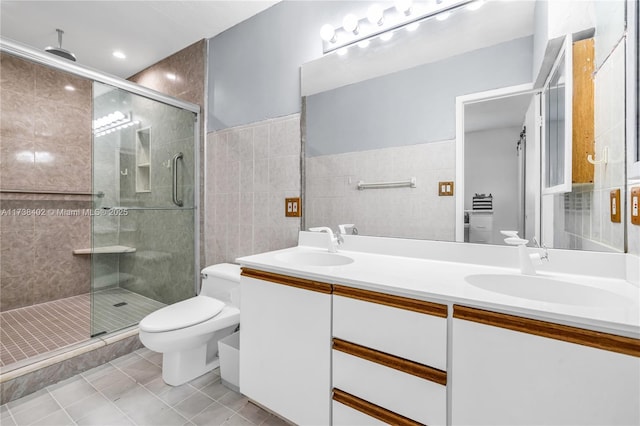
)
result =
(411, 183)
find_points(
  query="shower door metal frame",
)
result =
(23, 51)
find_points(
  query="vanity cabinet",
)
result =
(389, 359)
(285, 356)
(517, 371)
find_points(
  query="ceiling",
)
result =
(508, 111)
(146, 31)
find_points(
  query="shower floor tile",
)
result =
(117, 308)
(35, 330)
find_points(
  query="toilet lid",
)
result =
(182, 314)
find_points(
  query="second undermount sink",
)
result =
(314, 259)
(548, 290)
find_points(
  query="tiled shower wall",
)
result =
(45, 131)
(587, 223)
(189, 69)
(250, 170)
(332, 196)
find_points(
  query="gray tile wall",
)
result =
(250, 170)
(333, 197)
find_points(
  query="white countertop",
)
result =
(444, 282)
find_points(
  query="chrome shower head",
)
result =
(59, 51)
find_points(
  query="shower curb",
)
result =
(31, 378)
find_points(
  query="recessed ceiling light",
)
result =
(171, 76)
(70, 88)
(118, 54)
(386, 36)
(443, 16)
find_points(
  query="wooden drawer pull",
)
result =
(287, 280)
(372, 410)
(400, 364)
(415, 305)
(580, 336)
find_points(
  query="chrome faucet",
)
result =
(545, 252)
(526, 259)
(333, 240)
(342, 230)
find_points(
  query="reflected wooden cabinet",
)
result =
(583, 111)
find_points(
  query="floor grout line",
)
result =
(145, 388)
(61, 406)
(108, 400)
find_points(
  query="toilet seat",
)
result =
(182, 314)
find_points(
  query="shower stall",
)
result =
(98, 192)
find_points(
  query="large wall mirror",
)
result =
(452, 124)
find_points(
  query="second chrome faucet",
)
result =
(335, 239)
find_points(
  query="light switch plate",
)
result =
(614, 206)
(445, 189)
(292, 207)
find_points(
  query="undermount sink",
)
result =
(315, 259)
(547, 290)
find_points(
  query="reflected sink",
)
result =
(314, 259)
(547, 290)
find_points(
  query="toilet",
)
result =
(187, 332)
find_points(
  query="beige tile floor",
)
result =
(130, 391)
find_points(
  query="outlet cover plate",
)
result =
(292, 207)
(445, 189)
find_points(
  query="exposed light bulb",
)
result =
(443, 16)
(328, 33)
(476, 5)
(118, 54)
(386, 36)
(413, 26)
(363, 44)
(342, 51)
(69, 88)
(171, 76)
(350, 23)
(403, 6)
(375, 14)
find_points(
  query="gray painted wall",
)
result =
(411, 106)
(254, 67)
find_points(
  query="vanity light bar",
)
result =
(112, 122)
(384, 21)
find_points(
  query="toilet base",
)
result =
(179, 368)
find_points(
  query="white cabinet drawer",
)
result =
(347, 416)
(411, 396)
(401, 332)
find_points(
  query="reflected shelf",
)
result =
(104, 250)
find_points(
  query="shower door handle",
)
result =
(174, 170)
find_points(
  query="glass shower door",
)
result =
(143, 217)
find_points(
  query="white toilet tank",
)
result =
(222, 281)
